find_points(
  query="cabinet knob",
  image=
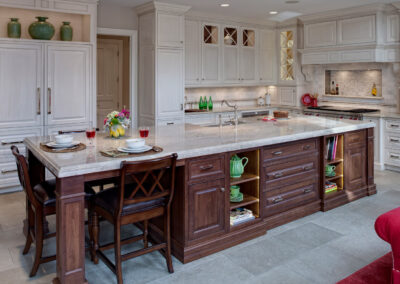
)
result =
(307, 147)
(307, 190)
(307, 168)
(260, 79)
(278, 175)
(170, 123)
(278, 199)
(223, 189)
(182, 41)
(278, 153)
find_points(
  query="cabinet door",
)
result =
(356, 30)
(248, 56)
(210, 54)
(68, 84)
(355, 168)
(21, 77)
(231, 55)
(170, 30)
(267, 63)
(320, 34)
(192, 53)
(288, 96)
(206, 209)
(393, 28)
(170, 85)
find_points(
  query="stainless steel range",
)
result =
(338, 112)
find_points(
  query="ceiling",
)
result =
(257, 10)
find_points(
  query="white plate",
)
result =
(136, 150)
(55, 145)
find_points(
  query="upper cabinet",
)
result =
(393, 28)
(228, 55)
(320, 34)
(356, 30)
(287, 47)
(170, 30)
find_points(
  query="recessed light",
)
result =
(273, 12)
(225, 5)
(292, 2)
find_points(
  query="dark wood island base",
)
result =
(281, 183)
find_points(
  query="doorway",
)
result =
(113, 75)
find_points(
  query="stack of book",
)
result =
(241, 215)
(330, 187)
(331, 148)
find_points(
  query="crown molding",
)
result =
(161, 6)
(343, 13)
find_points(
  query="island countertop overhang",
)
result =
(190, 141)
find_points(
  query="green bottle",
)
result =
(14, 28)
(201, 103)
(205, 103)
(210, 104)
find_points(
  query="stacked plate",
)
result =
(135, 146)
(63, 142)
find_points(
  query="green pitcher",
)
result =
(237, 166)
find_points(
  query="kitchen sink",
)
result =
(226, 123)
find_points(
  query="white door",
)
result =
(170, 30)
(210, 55)
(68, 84)
(231, 55)
(21, 85)
(170, 84)
(192, 53)
(267, 63)
(109, 77)
(248, 56)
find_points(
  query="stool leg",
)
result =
(167, 238)
(39, 241)
(117, 247)
(145, 233)
(31, 226)
(94, 242)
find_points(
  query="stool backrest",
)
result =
(23, 175)
(148, 180)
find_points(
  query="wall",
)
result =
(116, 17)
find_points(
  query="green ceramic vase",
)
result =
(41, 29)
(66, 32)
(14, 28)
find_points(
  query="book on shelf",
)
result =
(241, 215)
(331, 148)
(330, 186)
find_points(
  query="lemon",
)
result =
(121, 131)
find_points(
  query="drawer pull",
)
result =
(307, 168)
(205, 168)
(278, 153)
(307, 147)
(394, 156)
(278, 175)
(395, 125)
(11, 142)
(394, 140)
(278, 199)
(222, 189)
(307, 190)
(8, 171)
(170, 123)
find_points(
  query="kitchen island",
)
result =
(283, 181)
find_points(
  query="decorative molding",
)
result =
(160, 6)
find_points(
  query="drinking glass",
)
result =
(144, 131)
(90, 135)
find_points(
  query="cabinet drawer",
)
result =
(204, 168)
(290, 169)
(8, 170)
(16, 137)
(392, 140)
(393, 125)
(355, 139)
(291, 196)
(286, 150)
(392, 157)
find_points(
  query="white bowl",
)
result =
(64, 139)
(135, 143)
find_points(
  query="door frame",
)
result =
(133, 82)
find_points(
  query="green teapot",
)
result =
(237, 166)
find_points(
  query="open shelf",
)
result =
(338, 163)
(247, 200)
(333, 178)
(335, 193)
(246, 177)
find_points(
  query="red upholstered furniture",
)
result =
(387, 226)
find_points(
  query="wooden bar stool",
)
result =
(41, 200)
(149, 196)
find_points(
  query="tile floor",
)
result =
(321, 248)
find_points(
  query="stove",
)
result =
(339, 112)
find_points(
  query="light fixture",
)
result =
(273, 12)
(225, 5)
(292, 2)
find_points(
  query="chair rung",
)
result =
(49, 235)
(123, 242)
(47, 258)
(104, 258)
(143, 251)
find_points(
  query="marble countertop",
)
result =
(189, 141)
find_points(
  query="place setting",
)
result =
(134, 146)
(63, 144)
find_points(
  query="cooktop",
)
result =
(342, 109)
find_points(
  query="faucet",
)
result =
(235, 107)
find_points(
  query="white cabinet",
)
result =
(356, 30)
(267, 61)
(21, 85)
(393, 28)
(320, 34)
(287, 96)
(170, 30)
(170, 92)
(68, 97)
(210, 54)
(192, 52)
(231, 55)
(392, 142)
(247, 55)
